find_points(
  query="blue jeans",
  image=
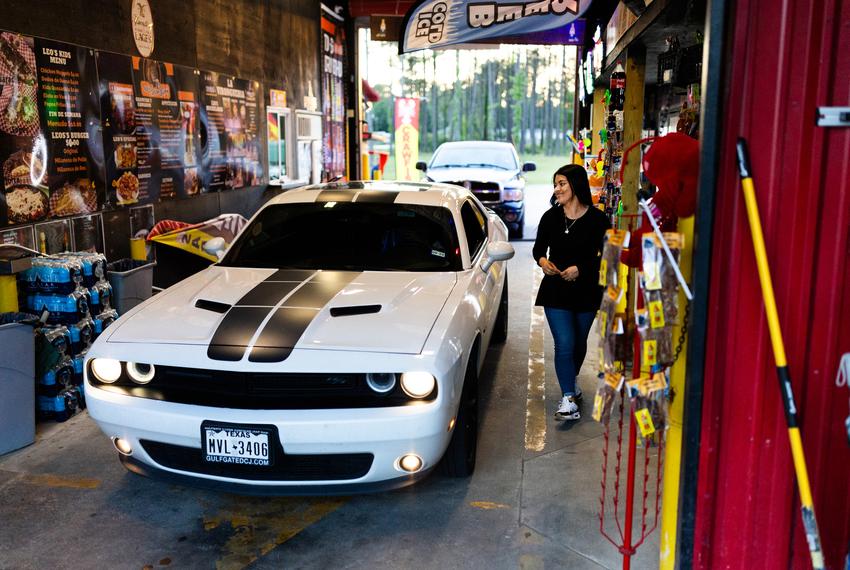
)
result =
(569, 330)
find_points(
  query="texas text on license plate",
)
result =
(238, 444)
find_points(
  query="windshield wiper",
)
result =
(448, 166)
(488, 164)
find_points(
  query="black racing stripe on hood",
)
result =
(377, 197)
(335, 196)
(298, 275)
(281, 334)
(267, 294)
(283, 331)
(235, 332)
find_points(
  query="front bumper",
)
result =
(307, 437)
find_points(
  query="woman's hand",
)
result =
(570, 273)
(548, 267)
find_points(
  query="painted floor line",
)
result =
(535, 405)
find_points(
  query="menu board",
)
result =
(231, 115)
(70, 124)
(333, 98)
(151, 138)
(49, 142)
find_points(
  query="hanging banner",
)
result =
(333, 95)
(437, 23)
(406, 138)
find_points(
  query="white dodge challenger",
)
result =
(335, 347)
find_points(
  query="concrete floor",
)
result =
(66, 502)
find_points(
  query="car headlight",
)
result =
(107, 370)
(418, 384)
(140, 373)
(380, 382)
(511, 194)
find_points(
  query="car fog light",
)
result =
(106, 370)
(122, 446)
(380, 383)
(418, 384)
(451, 424)
(140, 373)
(410, 463)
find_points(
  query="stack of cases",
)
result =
(70, 291)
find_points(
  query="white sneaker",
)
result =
(567, 409)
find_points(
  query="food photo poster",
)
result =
(84, 130)
(50, 147)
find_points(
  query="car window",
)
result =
(474, 224)
(459, 156)
(349, 236)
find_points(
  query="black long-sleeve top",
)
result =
(581, 247)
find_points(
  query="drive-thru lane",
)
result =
(67, 502)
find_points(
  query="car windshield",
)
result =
(473, 156)
(349, 236)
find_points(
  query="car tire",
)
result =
(500, 327)
(459, 459)
(520, 231)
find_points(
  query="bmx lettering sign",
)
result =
(437, 23)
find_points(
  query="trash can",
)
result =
(132, 282)
(17, 384)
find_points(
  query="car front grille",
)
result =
(487, 192)
(286, 467)
(263, 391)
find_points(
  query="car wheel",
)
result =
(459, 459)
(520, 230)
(500, 328)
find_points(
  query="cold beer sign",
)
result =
(436, 23)
(406, 138)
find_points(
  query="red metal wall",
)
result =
(784, 59)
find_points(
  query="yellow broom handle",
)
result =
(807, 507)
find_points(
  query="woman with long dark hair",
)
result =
(568, 249)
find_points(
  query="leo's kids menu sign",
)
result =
(49, 140)
(231, 118)
(150, 129)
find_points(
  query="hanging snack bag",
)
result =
(648, 399)
(606, 394)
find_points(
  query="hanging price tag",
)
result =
(603, 272)
(644, 421)
(650, 352)
(656, 314)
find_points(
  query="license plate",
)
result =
(238, 444)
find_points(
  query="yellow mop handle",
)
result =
(807, 508)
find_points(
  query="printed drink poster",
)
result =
(24, 197)
(230, 115)
(70, 124)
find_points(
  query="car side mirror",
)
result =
(496, 251)
(529, 167)
(215, 246)
(421, 166)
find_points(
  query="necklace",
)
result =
(568, 226)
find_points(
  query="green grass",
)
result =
(546, 166)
